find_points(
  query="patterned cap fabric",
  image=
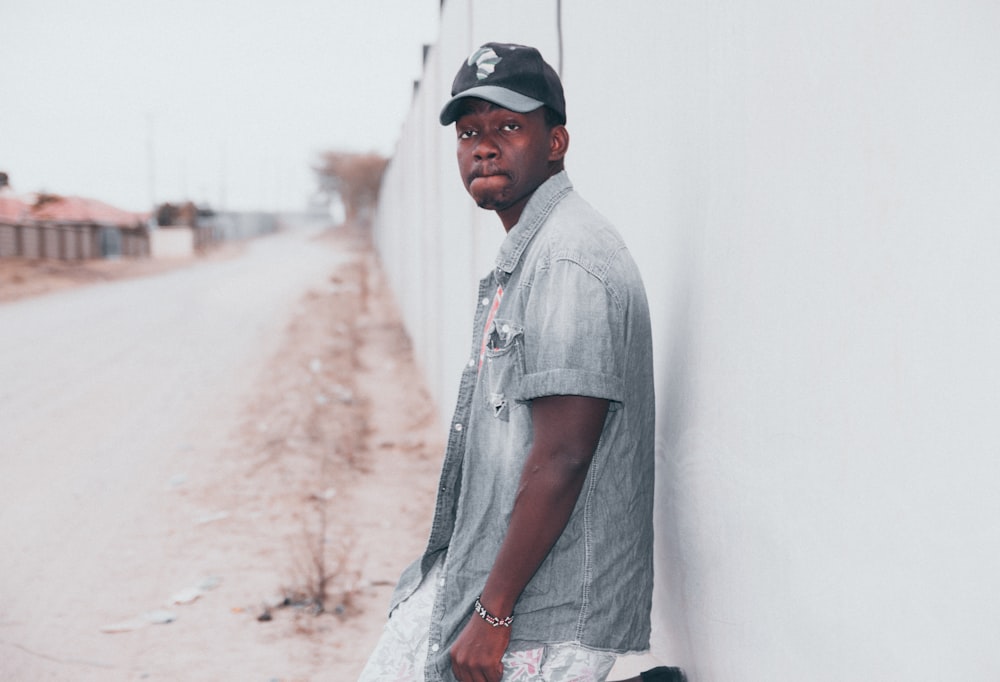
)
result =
(514, 77)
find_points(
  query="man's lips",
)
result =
(486, 175)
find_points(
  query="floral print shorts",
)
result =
(401, 652)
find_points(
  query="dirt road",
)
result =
(216, 447)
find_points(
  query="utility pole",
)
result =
(150, 161)
(223, 173)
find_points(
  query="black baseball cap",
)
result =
(512, 76)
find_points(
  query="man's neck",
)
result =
(511, 215)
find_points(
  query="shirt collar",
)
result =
(541, 203)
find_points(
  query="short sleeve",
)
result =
(573, 336)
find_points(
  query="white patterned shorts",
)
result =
(401, 652)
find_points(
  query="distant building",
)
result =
(69, 228)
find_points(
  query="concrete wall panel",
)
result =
(811, 194)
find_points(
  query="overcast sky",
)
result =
(221, 102)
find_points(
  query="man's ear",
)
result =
(558, 143)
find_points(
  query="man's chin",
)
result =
(490, 202)
(487, 204)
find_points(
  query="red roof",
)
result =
(81, 209)
(12, 208)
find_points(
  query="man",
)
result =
(539, 563)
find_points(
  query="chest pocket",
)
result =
(503, 365)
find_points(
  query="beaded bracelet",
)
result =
(491, 619)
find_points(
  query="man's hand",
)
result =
(477, 653)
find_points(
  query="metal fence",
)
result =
(63, 240)
(72, 241)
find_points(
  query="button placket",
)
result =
(443, 523)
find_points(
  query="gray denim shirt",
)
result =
(572, 319)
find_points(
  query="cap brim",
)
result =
(508, 99)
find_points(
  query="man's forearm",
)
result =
(567, 430)
(545, 500)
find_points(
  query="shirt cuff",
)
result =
(571, 382)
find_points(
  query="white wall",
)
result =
(811, 192)
(171, 242)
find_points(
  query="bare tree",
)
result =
(355, 178)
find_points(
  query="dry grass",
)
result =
(309, 431)
(325, 578)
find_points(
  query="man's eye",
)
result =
(466, 134)
(507, 127)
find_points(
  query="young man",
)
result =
(539, 562)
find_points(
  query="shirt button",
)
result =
(435, 647)
(458, 427)
(472, 363)
(485, 301)
(505, 329)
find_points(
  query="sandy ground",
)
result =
(22, 278)
(281, 548)
(282, 551)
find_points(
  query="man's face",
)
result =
(503, 156)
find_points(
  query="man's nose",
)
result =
(486, 149)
